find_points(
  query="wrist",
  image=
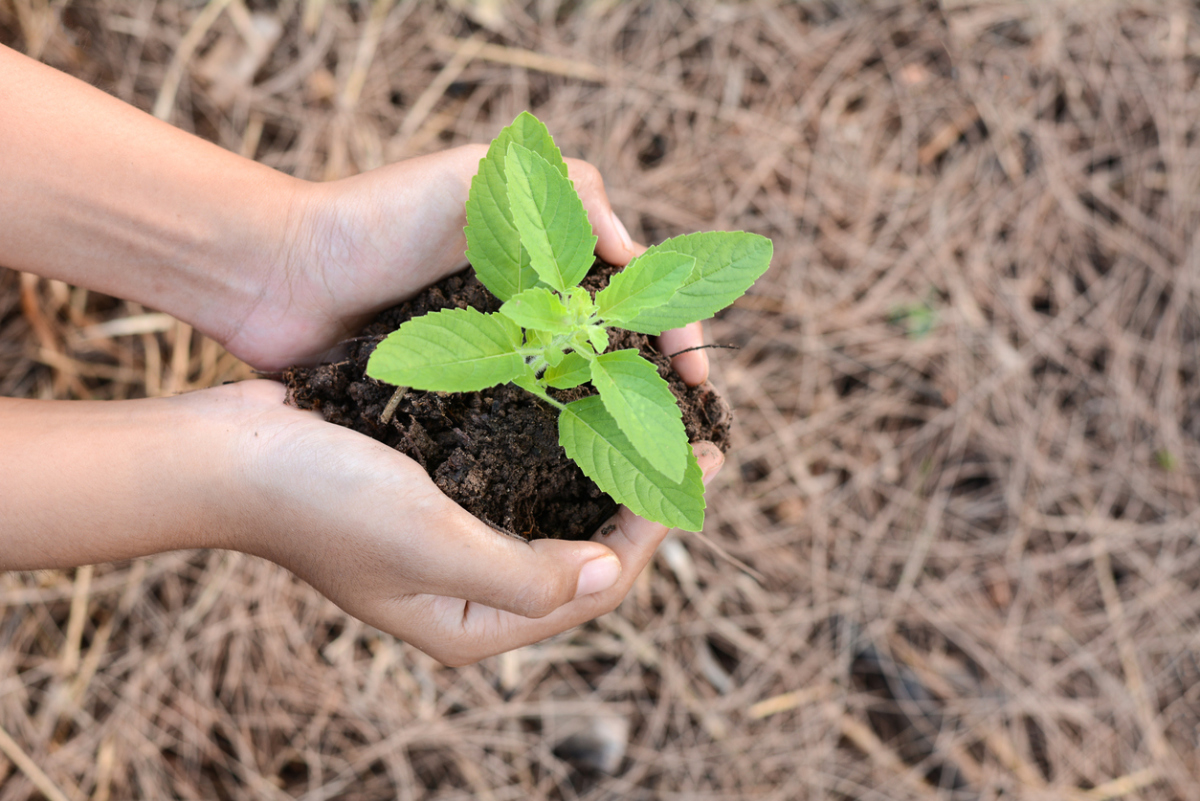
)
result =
(101, 481)
(99, 194)
(335, 253)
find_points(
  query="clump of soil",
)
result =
(494, 452)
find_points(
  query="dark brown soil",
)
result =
(494, 452)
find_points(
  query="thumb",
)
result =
(471, 561)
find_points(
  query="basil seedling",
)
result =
(530, 242)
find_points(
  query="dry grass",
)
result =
(963, 495)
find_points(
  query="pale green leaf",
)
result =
(594, 441)
(539, 309)
(553, 356)
(598, 337)
(579, 303)
(644, 407)
(572, 371)
(727, 263)
(549, 215)
(528, 131)
(454, 350)
(538, 339)
(646, 282)
(493, 245)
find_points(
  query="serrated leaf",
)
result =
(493, 244)
(549, 215)
(646, 282)
(539, 309)
(727, 263)
(594, 441)
(528, 131)
(454, 350)
(572, 371)
(644, 407)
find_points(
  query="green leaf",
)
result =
(572, 371)
(493, 245)
(539, 309)
(549, 215)
(528, 131)
(648, 281)
(579, 303)
(598, 337)
(454, 350)
(644, 407)
(553, 356)
(727, 263)
(594, 441)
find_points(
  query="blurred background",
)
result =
(953, 554)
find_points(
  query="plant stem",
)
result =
(541, 393)
(535, 388)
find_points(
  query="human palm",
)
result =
(366, 526)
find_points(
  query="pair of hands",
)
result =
(386, 544)
(278, 270)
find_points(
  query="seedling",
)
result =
(530, 242)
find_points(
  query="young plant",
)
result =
(530, 242)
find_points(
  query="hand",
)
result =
(277, 269)
(364, 243)
(366, 526)
(233, 467)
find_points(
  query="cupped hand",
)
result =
(361, 244)
(366, 526)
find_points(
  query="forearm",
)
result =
(84, 482)
(97, 193)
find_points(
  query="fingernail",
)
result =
(712, 454)
(625, 238)
(598, 575)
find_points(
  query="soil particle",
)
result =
(494, 452)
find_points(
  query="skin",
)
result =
(278, 271)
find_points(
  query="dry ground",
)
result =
(954, 552)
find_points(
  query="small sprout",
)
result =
(917, 319)
(1165, 460)
(530, 243)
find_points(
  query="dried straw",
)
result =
(967, 470)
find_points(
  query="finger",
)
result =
(613, 243)
(461, 633)
(466, 559)
(693, 365)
